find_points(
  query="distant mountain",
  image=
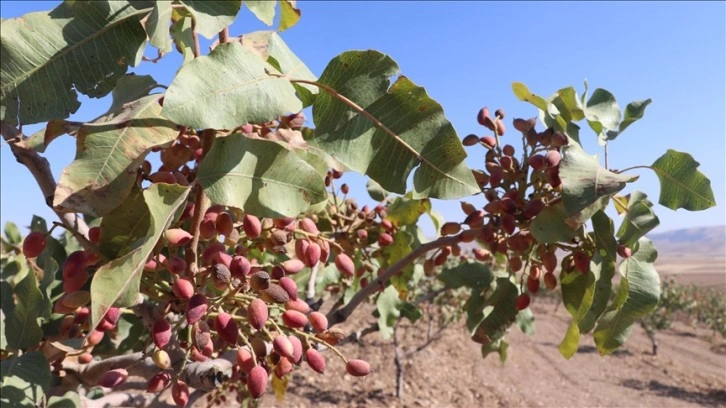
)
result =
(710, 241)
(693, 255)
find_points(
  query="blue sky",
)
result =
(467, 54)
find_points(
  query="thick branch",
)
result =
(40, 169)
(336, 316)
(206, 375)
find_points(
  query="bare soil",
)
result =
(689, 370)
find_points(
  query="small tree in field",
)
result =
(207, 271)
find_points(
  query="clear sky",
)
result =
(467, 54)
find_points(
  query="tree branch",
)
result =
(206, 375)
(336, 315)
(40, 169)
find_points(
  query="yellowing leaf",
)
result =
(279, 386)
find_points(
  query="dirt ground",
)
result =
(689, 371)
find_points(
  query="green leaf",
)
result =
(7, 306)
(227, 88)
(49, 282)
(38, 224)
(437, 219)
(260, 177)
(289, 14)
(568, 104)
(264, 10)
(525, 321)
(500, 347)
(577, 293)
(584, 181)
(351, 290)
(268, 44)
(12, 233)
(132, 334)
(633, 112)
(681, 184)
(407, 211)
(21, 328)
(474, 308)
(640, 298)
(411, 312)
(129, 88)
(40, 140)
(393, 253)
(126, 227)
(404, 129)
(524, 94)
(471, 274)
(15, 270)
(181, 33)
(375, 190)
(24, 380)
(603, 114)
(502, 312)
(157, 25)
(603, 267)
(86, 47)
(117, 282)
(69, 399)
(551, 226)
(107, 151)
(389, 309)
(568, 345)
(581, 217)
(316, 160)
(212, 16)
(639, 219)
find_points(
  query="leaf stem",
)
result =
(370, 117)
(631, 168)
(606, 155)
(196, 49)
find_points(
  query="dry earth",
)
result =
(689, 371)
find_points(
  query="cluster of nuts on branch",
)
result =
(188, 147)
(516, 190)
(231, 302)
(235, 290)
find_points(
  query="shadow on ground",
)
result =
(705, 398)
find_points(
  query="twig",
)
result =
(224, 35)
(400, 369)
(206, 375)
(606, 156)
(40, 169)
(310, 293)
(201, 204)
(337, 315)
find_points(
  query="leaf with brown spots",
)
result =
(107, 153)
